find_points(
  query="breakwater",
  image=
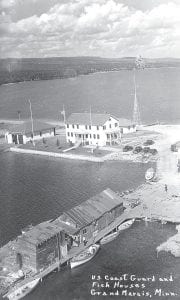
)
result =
(57, 155)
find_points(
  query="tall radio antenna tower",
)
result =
(136, 111)
(139, 64)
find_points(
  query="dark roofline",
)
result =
(83, 222)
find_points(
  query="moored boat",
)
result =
(126, 224)
(109, 237)
(22, 291)
(84, 256)
(150, 174)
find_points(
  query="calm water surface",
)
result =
(158, 94)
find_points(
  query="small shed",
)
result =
(23, 133)
(126, 126)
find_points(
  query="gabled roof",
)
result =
(125, 122)
(26, 127)
(89, 119)
(93, 208)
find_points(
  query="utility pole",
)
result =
(32, 125)
(64, 114)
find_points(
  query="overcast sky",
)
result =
(107, 28)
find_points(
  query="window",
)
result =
(67, 125)
(108, 136)
(104, 127)
(68, 133)
(77, 126)
(80, 135)
(86, 127)
(97, 127)
(71, 134)
(109, 125)
(72, 125)
(86, 136)
(98, 137)
(90, 136)
(116, 124)
(84, 231)
(89, 126)
(94, 136)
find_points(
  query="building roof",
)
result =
(89, 119)
(125, 122)
(93, 208)
(66, 227)
(26, 127)
(41, 233)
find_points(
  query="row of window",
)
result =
(94, 136)
(89, 126)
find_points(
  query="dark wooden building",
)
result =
(41, 246)
(93, 215)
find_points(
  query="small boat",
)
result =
(27, 228)
(150, 173)
(109, 237)
(126, 224)
(84, 256)
(163, 222)
(22, 291)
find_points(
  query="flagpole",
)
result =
(32, 125)
(90, 116)
(64, 114)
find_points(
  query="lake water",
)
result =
(34, 189)
(158, 94)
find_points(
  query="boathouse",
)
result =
(40, 247)
(126, 126)
(96, 129)
(23, 133)
(93, 215)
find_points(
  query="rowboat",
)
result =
(126, 224)
(84, 256)
(150, 173)
(22, 291)
(109, 237)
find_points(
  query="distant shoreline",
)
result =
(86, 74)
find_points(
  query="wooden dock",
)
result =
(128, 213)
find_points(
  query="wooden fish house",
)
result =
(41, 246)
(93, 215)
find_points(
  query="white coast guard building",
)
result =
(96, 129)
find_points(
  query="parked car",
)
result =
(127, 148)
(137, 149)
(174, 148)
(146, 149)
(153, 151)
(148, 143)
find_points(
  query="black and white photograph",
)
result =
(89, 149)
